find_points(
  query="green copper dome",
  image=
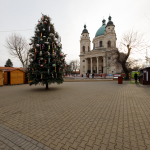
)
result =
(101, 30)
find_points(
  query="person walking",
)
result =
(135, 77)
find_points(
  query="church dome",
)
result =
(85, 30)
(101, 30)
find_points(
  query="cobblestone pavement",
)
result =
(75, 116)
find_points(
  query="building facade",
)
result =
(99, 59)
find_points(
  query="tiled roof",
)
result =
(9, 68)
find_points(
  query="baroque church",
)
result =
(99, 59)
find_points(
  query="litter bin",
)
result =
(120, 80)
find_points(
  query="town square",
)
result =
(75, 75)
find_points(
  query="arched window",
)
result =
(100, 44)
(88, 48)
(83, 48)
(109, 44)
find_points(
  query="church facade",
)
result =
(99, 59)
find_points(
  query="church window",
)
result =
(100, 44)
(88, 49)
(83, 48)
(108, 44)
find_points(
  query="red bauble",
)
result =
(41, 65)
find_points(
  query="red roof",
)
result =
(10, 68)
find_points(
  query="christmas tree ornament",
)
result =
(41, 65)
(30, 44)
(35, 50)
(45, 22)
(44, 37)
(48, 53)
(45, 61)
(49, 59)
(37, 45)
(41, 34)
(40, 53)
(31, 60)
(54, 54)
(46, 42)
(48, 47)
(53, 65)
(41, 58)
(41, 39)
(43, 29)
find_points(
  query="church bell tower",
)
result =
(84, 41)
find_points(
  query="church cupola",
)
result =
(103, 22)
(85, 30)
(110, 23)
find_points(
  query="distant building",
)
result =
(98, 60)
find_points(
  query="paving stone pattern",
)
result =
(75, 116)
(13, 140)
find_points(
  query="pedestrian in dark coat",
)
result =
(135, 77)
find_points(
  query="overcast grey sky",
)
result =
(69, 17)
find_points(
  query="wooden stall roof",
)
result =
(9, 68)
(145, 68)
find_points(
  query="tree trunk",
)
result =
(125, 71)
(46, 86)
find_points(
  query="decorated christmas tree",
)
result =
(46, 58)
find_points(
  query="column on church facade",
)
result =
(97, 65)
(91, 66)
(104, 64)
(86, 65)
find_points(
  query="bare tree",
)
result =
(75, 65)
(18, 47)
(131, 43)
